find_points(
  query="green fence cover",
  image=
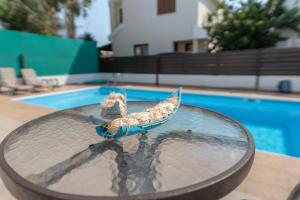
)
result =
(47, 55)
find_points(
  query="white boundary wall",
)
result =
(216, 81)
(271, 82)
(74, 78)
(209, 80)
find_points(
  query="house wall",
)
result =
(115, 18)
(292, 37)
(204, 7)
(202, 46)
(142, 25)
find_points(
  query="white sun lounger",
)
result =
(30, 78)
(9, 80)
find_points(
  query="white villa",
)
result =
(292, 37)
(149, 27)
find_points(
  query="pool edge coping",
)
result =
(220, 93)
(54, 93)
(187, 91)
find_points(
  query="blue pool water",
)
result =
(274, 124)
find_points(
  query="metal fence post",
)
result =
(258, 67)
(21, 61)
(216, 70)
(157, 70)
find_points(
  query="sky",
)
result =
(97, 22)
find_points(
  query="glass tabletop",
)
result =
(61, 152)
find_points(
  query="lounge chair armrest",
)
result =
(4, 84)
(54, 81)
(46, 81)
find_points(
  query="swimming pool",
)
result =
(274, 124)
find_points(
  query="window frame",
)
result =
(121, 18)
(142, 46)
(166, 7)
(188, 45)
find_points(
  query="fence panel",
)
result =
(246, 62)
(48, 55)
(280, 62)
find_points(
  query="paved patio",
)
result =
(271, 177)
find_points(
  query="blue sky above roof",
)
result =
(97, 22)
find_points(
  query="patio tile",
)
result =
(4, 193)
(272, 176)
(7, 125)
(236, 195)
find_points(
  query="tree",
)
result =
(73, 9)
(41, 16)
(87, 37)
(36, 16)
(250, 25)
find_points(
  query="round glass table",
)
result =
(197, 154)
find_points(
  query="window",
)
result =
(166, 6)
(188, 47)
(120, 16)
(176, 48)
(183, 46)
(141, 50)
